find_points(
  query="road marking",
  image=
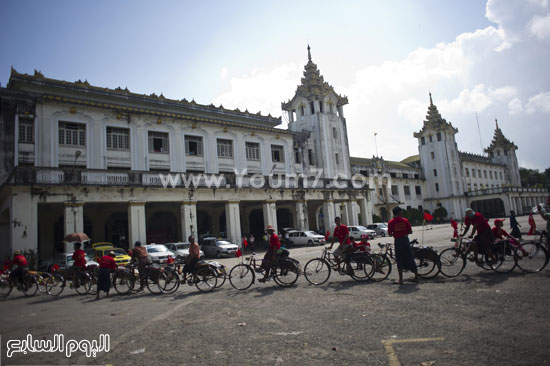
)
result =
(392, 356)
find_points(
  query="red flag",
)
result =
(327, 235)
(428, 217)
(532, 225)
(238, 253)
(245, 242)
(170, 260)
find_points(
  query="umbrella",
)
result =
(76, 237)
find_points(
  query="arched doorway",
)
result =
(162, 228)
(256, 223)
(284, 218)
(116, 230)
(204, 223)
(384, 214)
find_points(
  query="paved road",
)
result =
(479, 318)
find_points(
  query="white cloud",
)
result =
(224, 72)
(540, 27)
(538, 103)
(515, 106)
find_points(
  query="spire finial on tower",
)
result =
(431, 102)
(496, 121)
(308, 52)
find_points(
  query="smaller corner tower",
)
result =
(503, 151)
(317, 112)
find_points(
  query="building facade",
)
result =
(124, 167)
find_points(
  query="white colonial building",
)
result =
(123, 167)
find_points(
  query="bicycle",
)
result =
(284, 271)
(29, 286)
(453, 260)
(533, 255)
(82, 280)
(428, 264)
(357, 265)
(124, 279)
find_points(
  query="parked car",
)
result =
(121, 257)
(158, 253)
(64, 260)
(305, 238)
(381, 229)
(355, 232)
(214, 247)
(180, 249)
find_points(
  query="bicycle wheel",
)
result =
(122, 282)
(169, 281)
(381, 267)
(361, 267)
(285, 274)
(205, 279)
(532, 257)
(153, 278)
(241, 276)
(5, 286)
(82, 283)
(426, 267)
(505, 254)
(222, 275)
(92, 274)
(452, 262)
(30, 285)
(56, 284)
(42, 279)
(317, 271)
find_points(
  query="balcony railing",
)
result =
(27, 175)
(501, 190)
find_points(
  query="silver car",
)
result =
(180, 249)
(381, 229)
(355, 232)
(218, 248)
(305, 238)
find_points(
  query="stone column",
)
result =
(23, 225)
(301, 216)
(233, 222)
(74, 217)
(352, 218)
(189, 220)
(328, 215)
(363, 207)
(136, 223)
(270, 214)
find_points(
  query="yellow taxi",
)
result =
(121, 257)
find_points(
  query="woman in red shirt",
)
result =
(269, 257)
(106, 265)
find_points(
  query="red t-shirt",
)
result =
(107, 262)
(341, 232)
(363, 247)
(399, 227)
(79, 257)
(274, 242)
(500, 233)
(478, 221)
(19, 260)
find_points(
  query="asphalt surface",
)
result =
(478, 318)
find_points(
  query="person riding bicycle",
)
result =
(140, 256)
(106, 265)
(501, 234)
(193, 257)
(400, 228)
(342, 233)
(20, 263)
(545, 214)
(363, 245)
(514, 225)
(484, 238)
(79, 262)
(271, 254)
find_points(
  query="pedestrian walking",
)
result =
(514, 225)
(106, 265)
(139, 255)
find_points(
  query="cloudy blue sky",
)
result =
(491, 58)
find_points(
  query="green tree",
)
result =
(440, 214)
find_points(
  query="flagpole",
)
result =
(423, 222)
(375, 145)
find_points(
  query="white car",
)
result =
(180, 249)
(65, 260)
(381, 229)
(158, 253)
(309, 238)
(355, 232)
(218, 248)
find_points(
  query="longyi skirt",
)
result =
(404, 254)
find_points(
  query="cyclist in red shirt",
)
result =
(106, 265)
(270, 255)
(484, 238)
(341, 232)
(20, 263)
(363, 245)
(400, 228)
